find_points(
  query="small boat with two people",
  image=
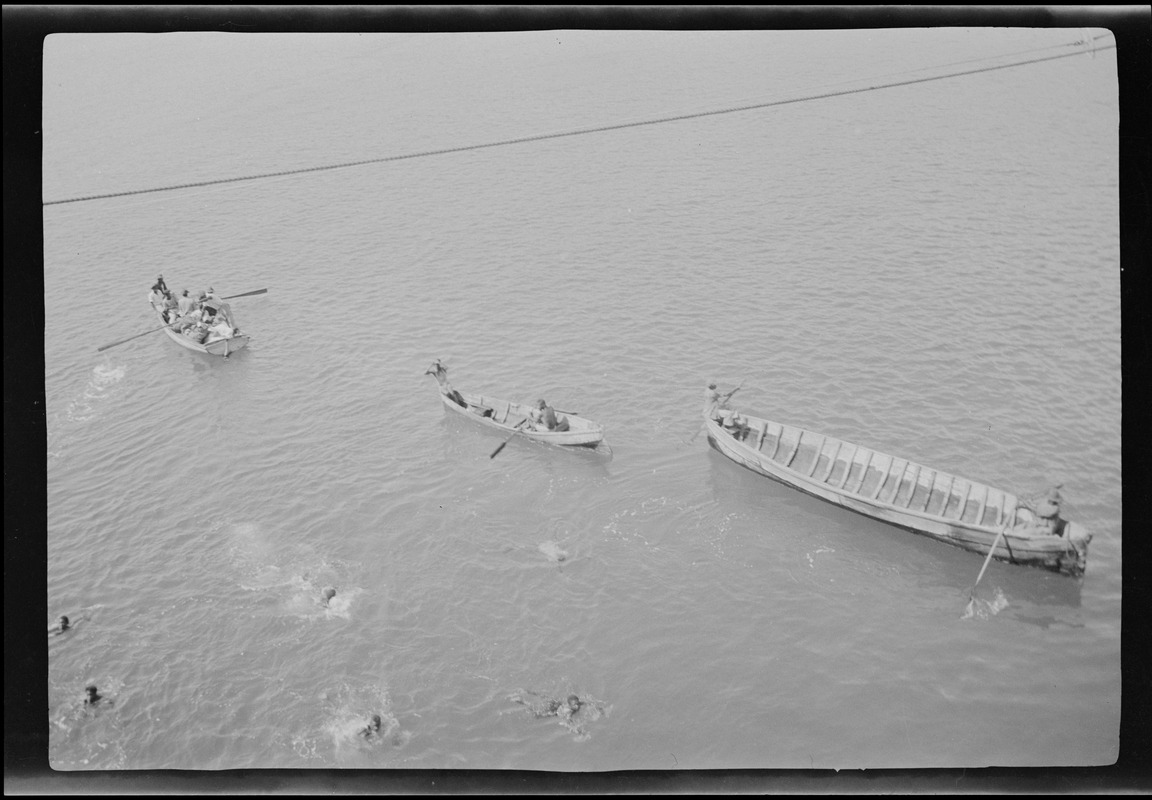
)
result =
(538, 422)
(899, 491)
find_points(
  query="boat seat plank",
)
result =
(776, 446)
(760, 435)
(911, 488)
(946, 495)
(795, 449)
(928, 493)
(832, 462)
(848, 462)
(863, 473)
(884, 479)
(978, 517)
(962, 503)
(816, 455)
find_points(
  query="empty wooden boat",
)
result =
(899, 491)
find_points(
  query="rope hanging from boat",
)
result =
(601, 129)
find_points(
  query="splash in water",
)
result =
(570, 710)
(553, 552)
(983, 609)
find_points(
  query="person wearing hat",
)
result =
(185, 304)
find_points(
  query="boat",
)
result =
(508, 417)
(215, 347)
(902, 492)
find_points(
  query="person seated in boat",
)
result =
(213, 305)
(190, 319)
(440, 373)
(735, 424)
(160, 284)
(156, 298)
(1047, 512)
(197, 332)
(219, 329)
(548, 419)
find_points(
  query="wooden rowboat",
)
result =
(508, 417)
(901, 492)
(217, 347)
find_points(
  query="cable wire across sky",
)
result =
(1081, 50)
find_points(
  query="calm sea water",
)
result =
(932, 270)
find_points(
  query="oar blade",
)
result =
(245, 294)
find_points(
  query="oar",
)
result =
(137, 336)
(130, 338)
(246, 294)
(496, 452)
(996, 541)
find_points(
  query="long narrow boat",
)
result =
(215, 347)
(508, 417)
(904, 493)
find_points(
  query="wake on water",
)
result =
(298, 581)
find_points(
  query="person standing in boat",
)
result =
(185, 304)
(171, 307)
(440, 373)
(716, 402)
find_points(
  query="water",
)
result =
(932, 270)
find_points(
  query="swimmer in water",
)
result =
(93, 698)
(553, 708)
(371, 729)
(328, 593)
(61, 625)
(569, 708)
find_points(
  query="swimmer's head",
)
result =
(376, 721)
(64, 621)
(573, 702)
(329, 593)
(91, 690)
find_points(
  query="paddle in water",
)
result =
(515, 431)
(991, 552)
(154, 330)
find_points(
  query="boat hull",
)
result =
(900, 492)
(220, 347)
(506, 415)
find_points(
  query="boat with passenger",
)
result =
(947, 507)
(562, 428)
(208, 325)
